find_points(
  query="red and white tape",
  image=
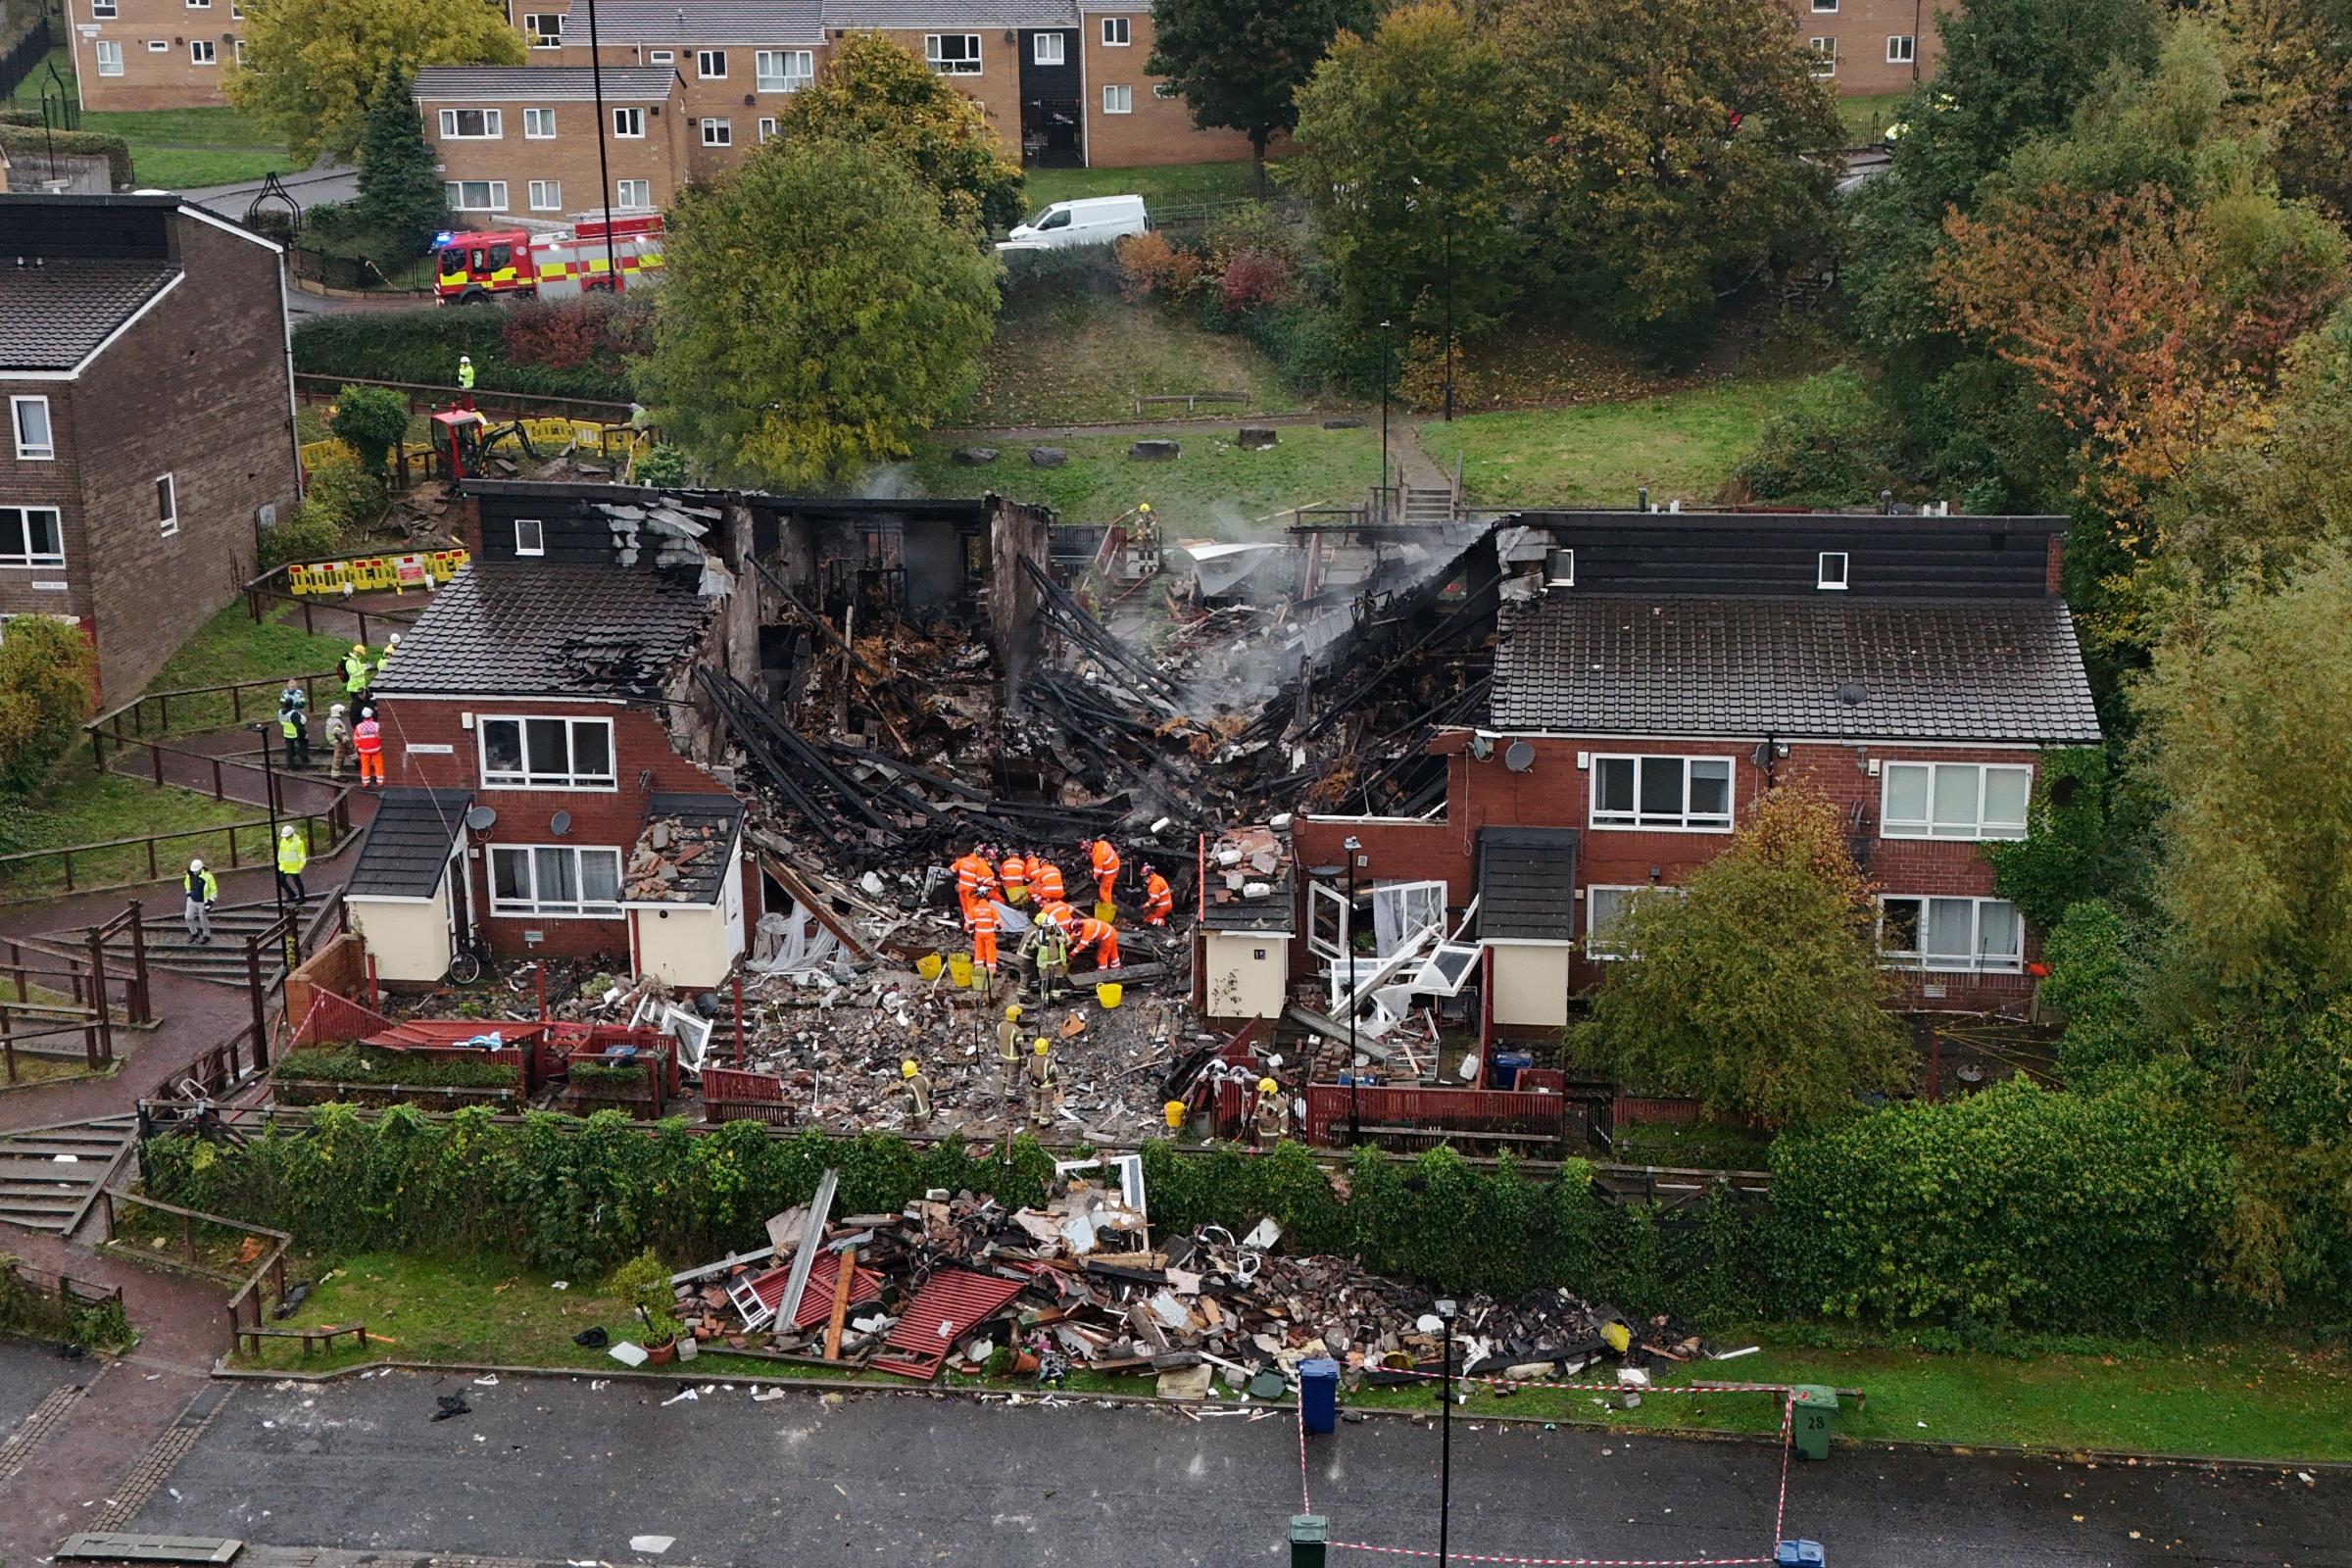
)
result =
(1555, 1562)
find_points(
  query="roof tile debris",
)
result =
(682, 854)
(1250, 886)
(1833, 669)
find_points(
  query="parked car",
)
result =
(1089, 220)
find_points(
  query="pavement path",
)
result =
(564, 1470)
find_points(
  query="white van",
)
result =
(1093, 220)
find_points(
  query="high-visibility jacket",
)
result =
(1014, 872)
(1056, 917)
(1031, 865)
(984, 918)
(367, 738)
(292, 853)
(972, 877)
(1046, 883)
(289, 722)
(1091, 932)
(1158, 897)
(201, 886)
(1106, 859)
(465, 375)
(356, 672)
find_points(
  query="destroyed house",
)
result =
(566, 701)
(1653, 673)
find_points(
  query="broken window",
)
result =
(547, 754)
(1692, 794)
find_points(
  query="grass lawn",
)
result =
(1695, 1145)
(2247, 1401)
(183, 149)
(1173, 184)
(1867, 117)
(1213, 489)
(1680, 444)
(81, 806)
(1080, 357)
(27, 93)
(233, 646)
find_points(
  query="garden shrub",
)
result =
(306, 533)
(48, 672)
(371, 421)
(1151, 266)
(363, 1064)
(1253, 280)
(1834, 446)
(22, 137)
(663, 467)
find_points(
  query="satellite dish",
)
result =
(1519, 757)
(559, 823)
(480, 817)
(1482, 747)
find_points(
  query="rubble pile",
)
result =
(663, 852)
(1096, 1291)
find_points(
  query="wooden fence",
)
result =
(201, 707)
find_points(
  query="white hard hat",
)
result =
(366, 713)
(195, 865)
(286, 832)
(394, 638)
(336, 708)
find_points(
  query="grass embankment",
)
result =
(233, 646)
(2231, 1400)
(188, 149)
(1213, 489)
(1174, 185)
(1082, 356)
(1681, 445)
(79, 805)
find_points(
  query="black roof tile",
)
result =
(407, 847)
(1833, 668)
(503, 628)
(52, 316)
(1527, 884)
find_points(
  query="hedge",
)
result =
(589, 342)
(2014, 1209)
(22, 136)
(366, 1064)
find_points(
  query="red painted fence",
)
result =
(1433, 1112)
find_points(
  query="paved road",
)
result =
(558, 1470)
(29, 1374)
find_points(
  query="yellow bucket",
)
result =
(1106, 912)
(1107, 994)
(982, 980)
(927, 966)
(959, 969)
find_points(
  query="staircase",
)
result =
(223, 961)
(49, 1176)
(1429, 505)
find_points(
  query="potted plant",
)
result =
(643, 1282)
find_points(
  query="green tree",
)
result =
(2299, 53)
(818, 316)
(2244, 735)
(875, 94)
(1404, 153)
(401, 197)
(1759, 990)
(311, 68)
(2096, 982)
(46, 674)
(1240, 63)
(371, 421)
(1677, 152)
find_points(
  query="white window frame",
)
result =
(1116, 33)
(166, 505)
(203, 52)
(662, 57)
(493, 123)
(236, 48)
(1903, 48)
(1975, 962)
(545, 119)
(1825, 8)
(783, 70)
(717, 131)
(768, 128)
(43, 450)
(1038, 55)
(935, 54)
(159, 47)
(495, 190)
(1834, 572)
(1596, 947)
(200, 5)
(547, 195)
(536, 907)
(702, 60)
(540, 37)
(1166, 89)
(1978, 830)
(1117, 99)
(29, 559)
(103, 10)
(537, 536)
(625, 118)
(528, 777)
(643, 187)
(237, 10)
(105, 48)
(1639, 822)
(1825, 56)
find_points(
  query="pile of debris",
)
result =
(665, 854)
(1251, 864)
(965, 1283)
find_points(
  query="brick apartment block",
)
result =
(143, 364)
(1871, 46)
(153, 54)
(520, 141)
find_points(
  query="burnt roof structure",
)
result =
(503, 629)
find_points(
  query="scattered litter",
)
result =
(627, 1354)
(682, 1396)
(652, 1546)
(452, 1404)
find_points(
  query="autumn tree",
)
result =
(820, 314)
(1237, 63)
(1404, 151)
(1675, 150)
(1759, 990)
(2299, 80)
(312, 66)
(875, 94)
(46, 674)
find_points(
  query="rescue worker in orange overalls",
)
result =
(974, 880)
(1045, 882)
(1014, 875)
(984, 922)
(1099, 935)
(1159, 900)
(1106, 860)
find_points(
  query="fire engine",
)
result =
(519, 263)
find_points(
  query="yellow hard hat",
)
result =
(359, 647)
(1143, 506)
(1267, 1086)
(1041, 1047)
(1014, 1012)
(905, 1069)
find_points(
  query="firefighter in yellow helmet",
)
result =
(918, 1095)
(1044, 1083)
(1273, 1119)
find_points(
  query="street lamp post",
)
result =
(1441, 1323)
(1355, 1120)
(1384, 422)
(603, 166)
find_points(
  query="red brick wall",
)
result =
(569, 157)
(1159, 130)
(151, 78)
(1861, 29)
(609, 818)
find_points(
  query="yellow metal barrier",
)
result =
(367, 574)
